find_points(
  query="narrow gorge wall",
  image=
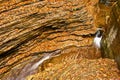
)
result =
(57, 34)
(111, 38)
(30, 29)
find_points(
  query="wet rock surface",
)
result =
(56, 36)
(111, 41)
(79, 69)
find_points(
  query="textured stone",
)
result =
(33, 29)
(79, 69)
(111, 46)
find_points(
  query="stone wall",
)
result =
(111, 40)
(30, 30)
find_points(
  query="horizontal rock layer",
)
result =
(31, 29)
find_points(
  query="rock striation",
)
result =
(60, 32)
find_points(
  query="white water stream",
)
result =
(30, 68)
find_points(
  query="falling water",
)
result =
(30, 68)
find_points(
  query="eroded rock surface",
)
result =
(79, 69)
(111, 41)
(31, 29)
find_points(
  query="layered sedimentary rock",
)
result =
(79, 69)
(30, 30)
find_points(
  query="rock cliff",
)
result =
(111, 40)
(60, 32)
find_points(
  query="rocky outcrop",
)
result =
(31, 28)
(79, 69)
(60, 32)
(111, 40)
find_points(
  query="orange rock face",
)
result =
(31, 31)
